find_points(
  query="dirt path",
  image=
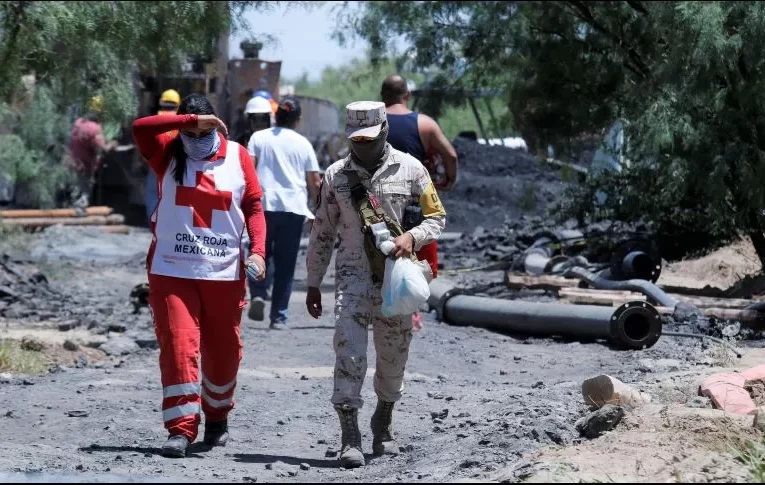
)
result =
(476, 403)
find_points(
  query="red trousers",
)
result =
(429, 252)
(193, 316)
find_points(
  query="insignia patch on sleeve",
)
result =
(431, 203)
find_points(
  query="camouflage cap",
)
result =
(364, 118)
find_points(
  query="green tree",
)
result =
(686, 76)
(361, 80)
(71, 51)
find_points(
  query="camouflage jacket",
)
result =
(400, 181)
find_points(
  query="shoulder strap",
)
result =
(369, 208)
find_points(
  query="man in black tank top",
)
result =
(417, 134)
(421, 137)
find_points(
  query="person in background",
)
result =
(209, 196)
(259, 117)
(421, 137)
(87, 147)
(168, 105)
(289, 172)
(265, 94)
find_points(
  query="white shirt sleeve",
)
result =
(253, 146)
(312, 164)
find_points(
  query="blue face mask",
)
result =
(201, 148)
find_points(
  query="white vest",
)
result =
(199, 225)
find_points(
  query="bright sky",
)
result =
(303, 36)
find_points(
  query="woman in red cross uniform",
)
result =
(209, 195)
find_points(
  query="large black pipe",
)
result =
(634, 325)
(645, 287)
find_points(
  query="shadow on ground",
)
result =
(193, 451)
(289, 460)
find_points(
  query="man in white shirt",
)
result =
(288, 172)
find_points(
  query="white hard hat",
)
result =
(258, 105)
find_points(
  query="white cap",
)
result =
(258, 105)
(364, 118)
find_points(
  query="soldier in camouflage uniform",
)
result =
(396, 180)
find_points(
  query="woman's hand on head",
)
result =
(208, 122)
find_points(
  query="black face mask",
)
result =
(371, 154)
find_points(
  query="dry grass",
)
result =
(14, 239)
(15, 360)
(752, 455)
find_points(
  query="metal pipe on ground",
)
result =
(536, 260)
(48, 213)
(638, 265)
(31, 222)
(645, 287)
(634, 325)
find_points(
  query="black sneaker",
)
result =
(257, 309)
(216, 433)
(175, 447)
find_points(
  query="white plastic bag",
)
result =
(404, 287)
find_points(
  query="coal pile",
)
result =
(25, 292)
(506, 242)
(496, 182)
(26, 295)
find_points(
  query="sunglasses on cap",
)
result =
(363, 138)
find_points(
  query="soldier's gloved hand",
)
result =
(404, 245)
(313, 302)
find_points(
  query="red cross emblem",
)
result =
(203, 199)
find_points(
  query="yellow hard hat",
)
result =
(96, 104)
(170, 96)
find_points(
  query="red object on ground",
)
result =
(756, 373)
(189, 316)
(727, 393)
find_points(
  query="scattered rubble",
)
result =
(600, 421)
(508, 238)
(32, 344)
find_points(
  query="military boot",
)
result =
(350, 452)
(382, 429)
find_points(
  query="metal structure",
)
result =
(634, 325)
(645, 287)
(229, 84)
(321, 124)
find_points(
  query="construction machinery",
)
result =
(229, 84)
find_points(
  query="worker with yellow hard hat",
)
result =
(169, 101)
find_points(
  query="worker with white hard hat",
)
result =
(259, 117)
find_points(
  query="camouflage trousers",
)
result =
(353, 316)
